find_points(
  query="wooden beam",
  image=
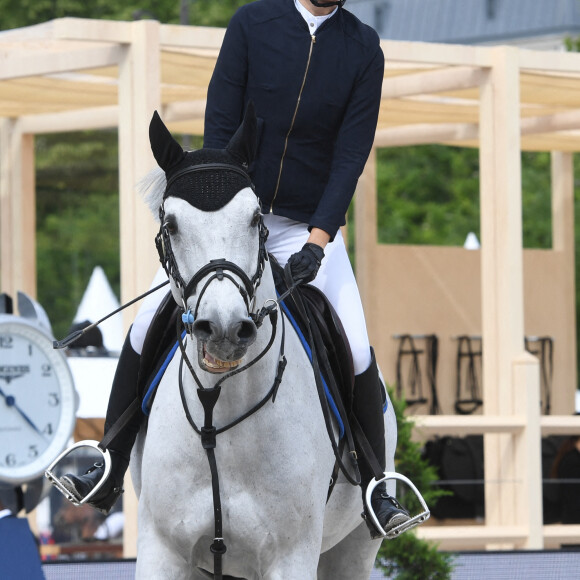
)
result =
(14, 64)
(170, 35)
(527, 452)
(40, 31)
(549, 61)
(560, 425)
(471, 537)
(436, 81)
(557, 534)
(421, 134)
(139, 96)
(476, 537)
(207, 37)
(79, 120)
(551, 123)
(428, 425)
(431, 53)
(17, 215)
(104, 118)
(365, 234)
(424, 133)
(87, 29)
(501, 273)
(462, 425)
(184, 111)
(563, 240)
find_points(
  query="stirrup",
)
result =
(410, 523)
(57, 483)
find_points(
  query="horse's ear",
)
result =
(244, 143)
(166, 150)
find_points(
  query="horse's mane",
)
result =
(151, 188)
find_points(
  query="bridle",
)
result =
(219, 269)
(219, 266)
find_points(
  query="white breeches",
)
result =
(335, 279)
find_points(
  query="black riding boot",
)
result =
(368, 409)
(123, 393)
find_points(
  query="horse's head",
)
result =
(211, 240)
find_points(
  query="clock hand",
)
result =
(11, 402)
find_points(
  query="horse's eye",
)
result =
(170, 225)
(256, 219)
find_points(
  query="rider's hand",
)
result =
(304, 264)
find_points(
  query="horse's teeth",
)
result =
(220, 364)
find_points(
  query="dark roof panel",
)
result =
(468, 21)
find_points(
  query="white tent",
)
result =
(98, 301)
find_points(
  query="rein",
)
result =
(218, 269)
(208, 398)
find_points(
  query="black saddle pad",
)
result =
(336, 350)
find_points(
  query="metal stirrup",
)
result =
(58, 484)
(410, 523)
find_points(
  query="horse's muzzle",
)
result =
(221, 349)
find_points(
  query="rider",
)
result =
(314, 73)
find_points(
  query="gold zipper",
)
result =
(292, 123)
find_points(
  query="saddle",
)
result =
(334, 359)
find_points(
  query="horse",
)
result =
(232, 466)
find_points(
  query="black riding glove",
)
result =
(304, 264)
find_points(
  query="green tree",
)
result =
(200, 12)
(77, 214)
(28, 12)
(407, 557)
(427, 195)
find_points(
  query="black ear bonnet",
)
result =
(207, 178)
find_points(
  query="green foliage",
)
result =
(536, 200)
(198, 12)
(77, 215)
(572, 44)
(70, 244)
(28, 12)
(214, 12)
(427, 195)
(407, 557)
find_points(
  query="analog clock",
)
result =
(38, 401)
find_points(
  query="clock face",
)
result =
(37, 401)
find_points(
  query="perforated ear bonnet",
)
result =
(207, 179)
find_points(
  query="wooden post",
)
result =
(139, 96)
(365, 217)
(563, 241)
(502, 281)
(527, 453)
(17, 210)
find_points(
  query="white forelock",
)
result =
(151, 188)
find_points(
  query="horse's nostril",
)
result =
(246, 331)
(202, 329)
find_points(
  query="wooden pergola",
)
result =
(73, 74)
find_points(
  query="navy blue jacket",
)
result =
(318, 98)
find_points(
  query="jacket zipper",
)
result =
(313, 37)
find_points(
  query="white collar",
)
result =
(5, 513)
(313, 21)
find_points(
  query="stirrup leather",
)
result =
(410, 523)
(57, 483)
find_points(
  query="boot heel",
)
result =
(49, 473)
(404, 526)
